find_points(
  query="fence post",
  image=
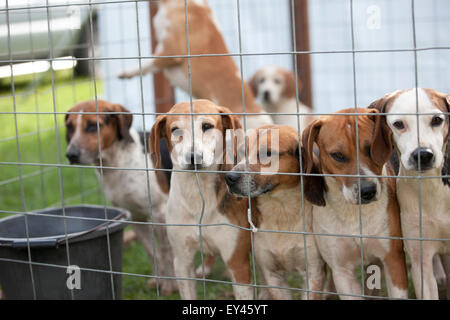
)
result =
(302, 43)
(163, 91)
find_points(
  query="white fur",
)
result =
(435, 196)
(406, 140)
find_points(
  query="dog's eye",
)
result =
(206, 126)
(265, 157)
(277, 81)
(436, 121)
(399, 125)
(91, 127)
(261, 80)
(176, 132)
(339, 157)
(367, 151)
(69, 127)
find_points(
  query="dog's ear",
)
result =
(229, 121)
(313, 186)
(124, 121)
(289, 84)
(157, 132)
(309, 137)
(232, 123)
(447, 101)
(381, 146)
(381, 104)
(65, 123)
(253, 84)
(75, 108)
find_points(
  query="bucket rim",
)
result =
(111, 224)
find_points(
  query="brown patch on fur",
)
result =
(289, 84)
(395, 259)
(442, 102)
(287, 149)
(112, 126)
(162, 181)
(236, 211)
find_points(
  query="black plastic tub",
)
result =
(88, 249)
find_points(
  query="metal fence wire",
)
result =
(113, 35)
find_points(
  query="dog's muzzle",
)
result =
(422, 158)
(73, 155)
(368, 192)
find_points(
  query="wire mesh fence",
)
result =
(55, 54)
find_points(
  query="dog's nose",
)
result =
(266, 95)
(196, 158)
(424, 156)
(73, 156)
(368, 191)
(232, 178)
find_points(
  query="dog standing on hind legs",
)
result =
(216, 78)
(121, 147)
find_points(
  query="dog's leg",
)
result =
(275, 279)
(446, 264)
(316, 277)
(396, 275)
(438, 270)
(237, 259)
(151, 66)
(209, 264)
(166, 267)
(430, 289)
(346, 283)
(183, 262)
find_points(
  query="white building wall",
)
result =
(378, 72)
(266, 28)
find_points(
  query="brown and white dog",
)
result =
(202, 197)
(275, 89)
(344, 200)
(121, 147)
(275, 149)
(421, 142)
(215, 78)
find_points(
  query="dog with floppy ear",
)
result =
(350, 202)
(421, 143)
(197, 196)
(120, 146)
(278, 198)
(275, 89)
